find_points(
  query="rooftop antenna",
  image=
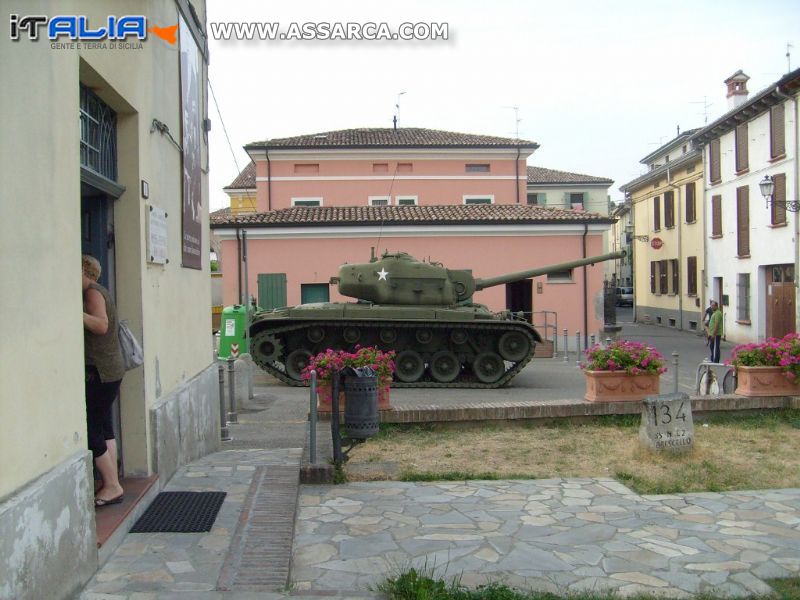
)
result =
(789, 57)
(516, 120)
(397, 111)
(706, 105)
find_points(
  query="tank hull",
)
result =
(445, 347)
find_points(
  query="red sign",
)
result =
(235, 350)
(656, 243)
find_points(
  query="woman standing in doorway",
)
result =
(104, 372)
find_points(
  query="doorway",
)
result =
(314, 292)
(519, 297)
(780, 300)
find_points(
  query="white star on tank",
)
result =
(382, 274)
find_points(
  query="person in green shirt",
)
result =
(715, 331)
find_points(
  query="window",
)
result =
(380, 167)
(307, 169)
(404, 167)
(777, 132)
(743, 297)
(669, 209)
(536, 198)
(713, 161)
(306, 201)
(716, 216)
(576, 200)
(560, 276)
(743, 221)
(778, 207)
(741, 148)
(691, 275)
(663, 287)
(675, 279)
(691, 204)
(406, 200)
(98, 145)
(657, 213)
(653, 275)
(379, 200)
(477, 168)
(478, 199)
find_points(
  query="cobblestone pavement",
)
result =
(550, 535)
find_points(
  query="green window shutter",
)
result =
(271, 290)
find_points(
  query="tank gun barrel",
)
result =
(481, 284)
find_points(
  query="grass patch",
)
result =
(423, 584)
(733, 451)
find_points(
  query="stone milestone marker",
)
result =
(667, 423)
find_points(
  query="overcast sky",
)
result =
(599, 85)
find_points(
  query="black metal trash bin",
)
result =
(361, 418)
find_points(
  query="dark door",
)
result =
(780, 300)
(271, 290)
(314, 292)
(519, 297)
(94, 230)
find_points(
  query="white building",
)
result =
(751, 250)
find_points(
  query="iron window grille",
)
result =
(98, 135)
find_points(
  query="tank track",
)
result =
(466, 380)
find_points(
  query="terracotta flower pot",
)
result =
(619, 386)
(765, 381)
(325, 394)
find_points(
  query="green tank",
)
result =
(421, 310)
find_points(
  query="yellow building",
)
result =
(104, 152)
(668, 236)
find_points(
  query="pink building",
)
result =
(312, 203)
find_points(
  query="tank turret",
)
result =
(421, 310)
(401, 279)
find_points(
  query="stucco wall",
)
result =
(310, 260)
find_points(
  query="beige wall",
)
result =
(41, 386)
(41, 352)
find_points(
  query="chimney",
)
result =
(394, 120)
(737, 89)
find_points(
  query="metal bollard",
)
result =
(578, 346)
(312, 434)
(608, 342)
(233, 416)
(675, 368)
(249, 363)
(224, 432)
(592, 338)
(566, 345)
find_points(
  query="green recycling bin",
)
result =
(232, 341)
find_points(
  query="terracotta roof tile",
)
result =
(483, 214)
(403, 137)
(245, 180)
(542, 175)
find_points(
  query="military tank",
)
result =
(421, 310)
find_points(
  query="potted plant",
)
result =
(622, 371)
(771, 368)
(327, 362)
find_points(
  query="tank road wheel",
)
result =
(459, 336)
(315, 334)
(351, 335)
(445, 366)
(409, 366)
(266, 347)
(388, 336)
(296, 362)
(514, 346)
(488, 367)
(424, 336)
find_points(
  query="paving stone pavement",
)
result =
(550, 535)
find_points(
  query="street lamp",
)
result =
(640, 238)
(767, 186)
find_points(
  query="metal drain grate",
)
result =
(180, 512)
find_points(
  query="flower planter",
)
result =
(764, 381)
(619, 386)
(325, 396)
